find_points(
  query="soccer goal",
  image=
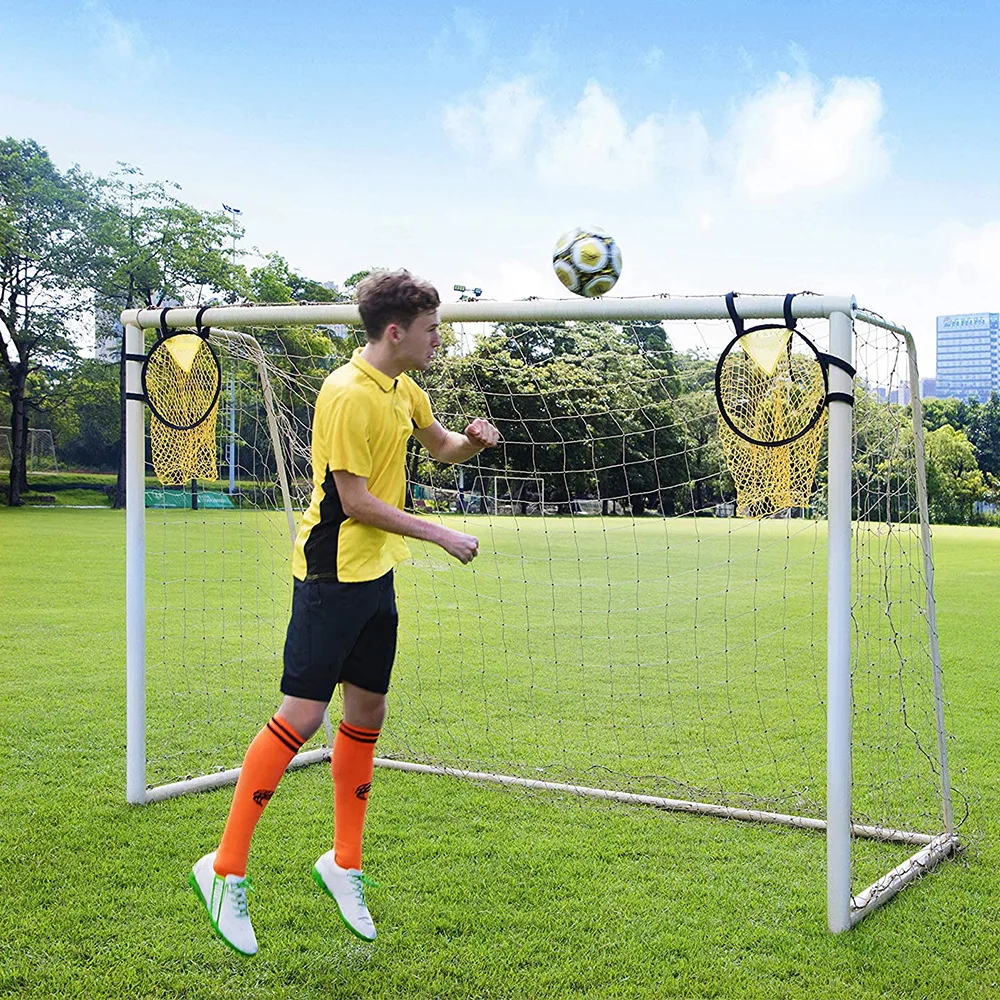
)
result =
(41, 450)
(638, 643)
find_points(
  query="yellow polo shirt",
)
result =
(362, 422)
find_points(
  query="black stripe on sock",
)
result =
(358, 731)
(287, 730)
(281, 736)
(355, 737)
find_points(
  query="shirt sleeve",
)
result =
(341, 432)
(423, 416)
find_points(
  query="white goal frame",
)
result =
(843, 910)
(40, 442)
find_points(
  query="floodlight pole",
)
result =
(838, 678)
(135, 568)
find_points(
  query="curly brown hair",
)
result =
(386, 297)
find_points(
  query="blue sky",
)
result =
(841, 147)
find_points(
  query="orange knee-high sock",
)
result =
(268, 756)
(352, 766)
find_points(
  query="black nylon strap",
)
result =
(733, 315)
(137, 396)
(135, 357)
(840, 397)
(789, 318)
(164, 329)
(202, 331)
(844, 366)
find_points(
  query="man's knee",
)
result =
(363, 708)
(302, 714)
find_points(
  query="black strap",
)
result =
(733, 315)
(164, 329)
(139, 397)
(844, 366)
(840, 397)
(201, 331)
(135, 357)
(789, 318)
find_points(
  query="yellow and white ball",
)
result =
(587, 261)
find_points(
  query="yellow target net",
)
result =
(771, 387)
(181, 381)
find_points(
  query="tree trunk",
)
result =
(119, 500)
(25, 451)
(18, 438)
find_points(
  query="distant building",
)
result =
(928, 388)
(901, 394)
(968, 356)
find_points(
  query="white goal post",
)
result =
(41, 450)
(837, 317)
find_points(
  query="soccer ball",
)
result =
(587, 261)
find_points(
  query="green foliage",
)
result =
(954, 480)
(46, 266)
(953, 412)
(156, 248)
(85, 423)
(984, 434)
(575, 404)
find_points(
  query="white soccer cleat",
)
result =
(225, 898)
(346, 887)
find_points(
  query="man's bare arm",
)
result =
(363, 506)
(449, 446)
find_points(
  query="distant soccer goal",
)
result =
(624, 634)
(41, 450)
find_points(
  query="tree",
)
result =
(46, 268)
(155, 249)
(953, 412)
(580, 405)
(984, 433)
(86, 421)
(954, 480)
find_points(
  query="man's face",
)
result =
(417, 342)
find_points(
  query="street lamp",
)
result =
(233, 212)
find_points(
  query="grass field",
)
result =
(482, 893)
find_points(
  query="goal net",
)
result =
(40, 453)
(621, 635)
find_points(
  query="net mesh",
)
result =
(771, 389)
(182, 387)
(619, 629)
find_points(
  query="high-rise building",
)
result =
(968, 356)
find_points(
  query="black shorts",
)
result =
(340, 632)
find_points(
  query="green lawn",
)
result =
(484, 892)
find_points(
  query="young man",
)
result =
(343, 622)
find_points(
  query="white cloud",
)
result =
(791, 137)
(121, 44)
(594, 147)
(500, 120)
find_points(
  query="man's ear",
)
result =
(393, 332)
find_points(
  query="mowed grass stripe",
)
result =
(483, 893)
